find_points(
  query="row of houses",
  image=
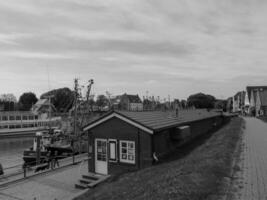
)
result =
(252, 101)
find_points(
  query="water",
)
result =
(11, 151)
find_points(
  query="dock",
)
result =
(51, 184)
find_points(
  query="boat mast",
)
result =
(50, 110)
(76, 93)
(91, 82)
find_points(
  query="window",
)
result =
(101, 150)
(18, 117)
(11, 118)
(113, 150)
(127, 151)
(4, 118)
(31, 117)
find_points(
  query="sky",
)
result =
(170, 47)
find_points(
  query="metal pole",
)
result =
(38, 151)
(88, 149)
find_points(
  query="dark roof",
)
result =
(249, 88)
(262, 92)
(159, 120)
(263, 97)
(133, 98)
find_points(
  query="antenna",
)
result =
(48, 78)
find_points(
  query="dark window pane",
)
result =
(124, 144)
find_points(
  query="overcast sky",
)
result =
(175, 47)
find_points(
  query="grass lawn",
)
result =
(197, 171)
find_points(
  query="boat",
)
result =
(30, 155)
(49, 143)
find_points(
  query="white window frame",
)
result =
(116, 150)
(126, 160)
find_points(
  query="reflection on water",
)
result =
(11, 151)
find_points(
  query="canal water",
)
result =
(11, 151)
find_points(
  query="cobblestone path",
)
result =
(250, 181)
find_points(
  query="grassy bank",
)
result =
(198, 175)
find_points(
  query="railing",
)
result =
(22, 171)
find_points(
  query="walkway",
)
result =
(58, 184)
(251, 180)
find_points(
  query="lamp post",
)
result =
(38, 147)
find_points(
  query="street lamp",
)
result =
(38, 146)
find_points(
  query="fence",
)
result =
(22, 171)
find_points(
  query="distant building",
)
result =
(115, 102)
(229, 106)
(239, 102)
(257, 97)
(2, 106)
(42, 107)
(130, 102)
(25, 121)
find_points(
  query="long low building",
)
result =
(123, 141)
(25, 120)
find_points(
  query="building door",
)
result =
(101, 160)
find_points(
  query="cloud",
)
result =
(168, 47)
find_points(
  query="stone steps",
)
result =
(90, 180)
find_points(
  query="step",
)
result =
(85, 181)
(95, 183)
(90, 177)
(81, 186)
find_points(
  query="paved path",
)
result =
(58, 184)
(16, 173)
(251, 181)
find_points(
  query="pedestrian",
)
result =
(1, 169)
(56, 159)
(48, 159)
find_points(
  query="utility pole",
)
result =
(169, 99)
(75, 105)
(75, 116)
(50, 110)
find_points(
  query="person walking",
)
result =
(48, 159)
(1, 169)
(55, 160)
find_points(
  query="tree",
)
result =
(102, 101)
(183, 103)
(201, 100)
(221, 104)
(8, 101)
(26, 101)
(91, 102)
(62, 98)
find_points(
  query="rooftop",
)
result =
(133, 98)
(156, 120)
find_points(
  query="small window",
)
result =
(24, 117)
(18, 117)
(11, 118)
(4, 118)
(127, 151)
(12, 126)
(113, 150)
(18, 126)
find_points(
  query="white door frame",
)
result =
(101, 166)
